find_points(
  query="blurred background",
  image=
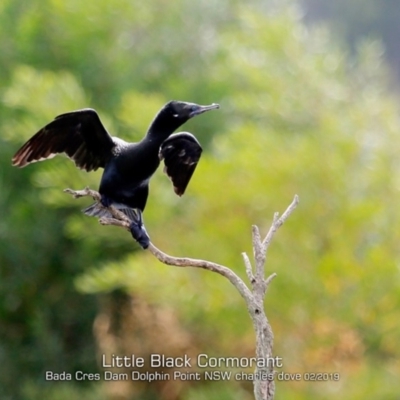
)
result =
(309, 105)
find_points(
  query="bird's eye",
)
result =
(193, 108)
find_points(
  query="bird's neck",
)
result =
(163, 125)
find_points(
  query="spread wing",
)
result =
(80, 134)
(181, 153)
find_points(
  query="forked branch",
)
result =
(264, 383)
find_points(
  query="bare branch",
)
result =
(264, 389)
(249, 268)
(269, 280)
(83, 193)
(290, 209)
(211, 266)
(259, 254)
(256, 234)
(117, 214)
(278, 222)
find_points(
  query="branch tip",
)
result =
(249, 268)
(269, 279)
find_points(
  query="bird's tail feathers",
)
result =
(97, 210)
(137, 228)
(132, 214)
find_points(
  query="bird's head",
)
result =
(183, 111)
(174, 114)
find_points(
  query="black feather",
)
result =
(181, 152)
(79, 134)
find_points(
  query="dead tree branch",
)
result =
(264, 383)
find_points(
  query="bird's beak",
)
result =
(202, 109)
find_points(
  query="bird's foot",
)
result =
(105, 201)
(138, 232)
(137, 229)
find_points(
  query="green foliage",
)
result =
(222, 391)
(63, 391)
(296, 117)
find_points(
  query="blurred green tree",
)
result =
(377, 21)
(296, 117)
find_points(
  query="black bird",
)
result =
(128, 167)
